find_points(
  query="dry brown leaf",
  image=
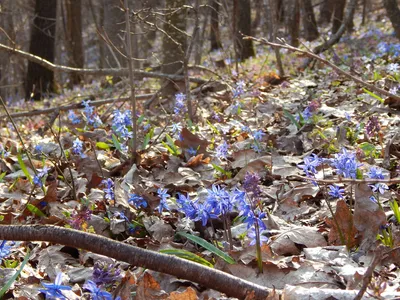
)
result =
(190, 140)
(368, 217)
(149, 289)
(197, 160)
(344, 219)
(188, 294)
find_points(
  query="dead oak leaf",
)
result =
(188, 294)
(149, 289)
(190, 140)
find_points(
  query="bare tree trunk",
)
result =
(338, 15)
(243, 27)
(310, 24)
(215, 37)
(393, 13)
(272, 21)
(74, 37)
(326, 11)
(174, 42)
(293, 22)
(40, 80)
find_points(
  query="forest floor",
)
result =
(264, 154)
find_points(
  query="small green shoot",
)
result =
(395, 208)
(9, 283)
(24, 168)
(208, 246)
(188, 255)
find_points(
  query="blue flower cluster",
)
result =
(96, 292)
(180, 105)
(77, 148)
(73, 117)
(238, 90)
(376, 173)
(345, 164)
(38, 179)
(105, 274)
(91, 117)
(121, 122)
(222, 150)
(137, 201)
(109, 188)
(388, 49)
(4, 249)
(3, 152)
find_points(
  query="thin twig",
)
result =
(326, 62)
(344, 180)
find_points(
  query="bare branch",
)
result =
(181, 268)
(96, 72)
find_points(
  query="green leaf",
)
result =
(187, 255)
(2, 175)
(147, 138)
(214, 129)
(12, 279)
(116, 143)
(208, 246)
(1, 218)
(23, 167)
(373, 95)
(102, 146)
(291, 118)
(219, 169)
(140, 119)
(33, 209)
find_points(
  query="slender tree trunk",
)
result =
(393, 13)
(310, 24)
(74, 37)
(243, 27)
(272, 23)
(338, 15)
(293, 22)
(326, 11)
(215, 37)
(174, 44)
(40, 80)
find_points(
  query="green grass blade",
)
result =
(373, 95)
(208, 246)
(188, 255)
(291, 118)
(33, 209)
(23, 167)
(12, 279)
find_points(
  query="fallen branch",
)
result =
(181, 268)
(344, 180)
(96, 72)
(73, 106)
(326, 62)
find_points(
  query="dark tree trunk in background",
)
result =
(174, 45)
(309, 22)
(215, 37)
(114, 27)
(293, 21)
(243, 27)
(280, 10)
(74, 37)
(326, 11)
(338, 15)
(393, 13)
(40, 80)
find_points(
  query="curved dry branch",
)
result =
(96, 72)
(208, 277)
(328, 63)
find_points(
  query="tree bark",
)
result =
(293, 22)
(310, 24)
(39, 80)
(174, 42)
(74, 37)
(243, 26)
(326, 11)
(393, 13)
(215, 37)
(338, 15)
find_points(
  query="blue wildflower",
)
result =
(137, 201)
(104, 273)
(191, 151)
(77, 148)
(379, 187)
(258, 135)
(251, 184)
(311, 162)
(162, 193)
(4, 250)
(96, 293)
(73, 117)
(109, 188)
(336, 191)
(176, 127)
(375, 173)
(54, 290)
(252, 235)
(345, 164)
(222, 150)
(121, 122)
(179, 103)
